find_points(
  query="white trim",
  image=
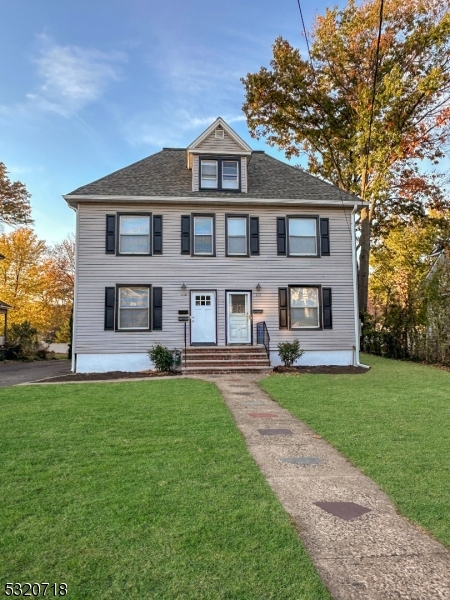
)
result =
(73, 200)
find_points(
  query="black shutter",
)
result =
(110, 244)
(254, 235)
(325, 237)
(281, 235)
(283, 307)
(326, 308)
(157, 234)
(185, 234)
(110, 300)
(157, 309)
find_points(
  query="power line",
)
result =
(304, 31)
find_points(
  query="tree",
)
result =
(60, 278)
(323, 108)
(37, 281)
(404, 303)
(14, 201)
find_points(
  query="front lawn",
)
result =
(392, 422)
(140, 490)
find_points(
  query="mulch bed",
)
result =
(323, 370)
(109, 376)
(327, 370)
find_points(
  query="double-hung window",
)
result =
(134, 234)
(230, 175)
(203, 235)
(133, 307)
(219, 174)
(209, 174)
(304, 307)
(237, 236)
(302, 236)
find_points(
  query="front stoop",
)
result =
(229, 359)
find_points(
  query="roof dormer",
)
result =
(218, 159)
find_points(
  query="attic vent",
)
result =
(219, 134)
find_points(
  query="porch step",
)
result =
(229, 359)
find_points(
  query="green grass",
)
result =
(393, 423)
(140, 490)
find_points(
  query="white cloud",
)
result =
(72, 77)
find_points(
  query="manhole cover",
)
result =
(302, 460)
(343, 510)
(275, 431)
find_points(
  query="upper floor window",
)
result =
(299, 235)
(302, 236)
(219, 174)
(134, 234)
(204, 235)
(237, 243)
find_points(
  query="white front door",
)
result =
(239, 317)
(203, 317)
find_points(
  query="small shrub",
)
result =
(289, 352)
(22, 341)
(161, 357)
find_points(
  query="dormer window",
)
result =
(209, 170)
(219, 174)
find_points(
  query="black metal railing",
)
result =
(263, 337)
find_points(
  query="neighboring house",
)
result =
(3, 318)
(229, 236)
(3, 325)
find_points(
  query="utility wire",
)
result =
(306, 35)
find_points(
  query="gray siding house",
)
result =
(232, 239)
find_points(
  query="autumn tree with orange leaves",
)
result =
(321, 106)
(37, 281)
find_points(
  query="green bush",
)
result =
(289, 352)
(22, 341)
(161, 357)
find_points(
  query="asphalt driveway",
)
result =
(21, 372)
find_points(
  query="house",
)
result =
(220, 243)
(3, 319)
(3, 325)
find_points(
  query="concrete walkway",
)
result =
(375, 556)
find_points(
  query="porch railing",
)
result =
(263, 337)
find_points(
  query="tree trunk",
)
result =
(363, 273)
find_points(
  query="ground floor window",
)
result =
(133, 307)
(304, 307)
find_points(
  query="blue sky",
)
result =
(88, 87)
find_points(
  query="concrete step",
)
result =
(220, 370)
(228, 359)
(226, 364)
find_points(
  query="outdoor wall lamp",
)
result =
(183, 287)
(258, 287)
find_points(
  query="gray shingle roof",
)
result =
(166, 174)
